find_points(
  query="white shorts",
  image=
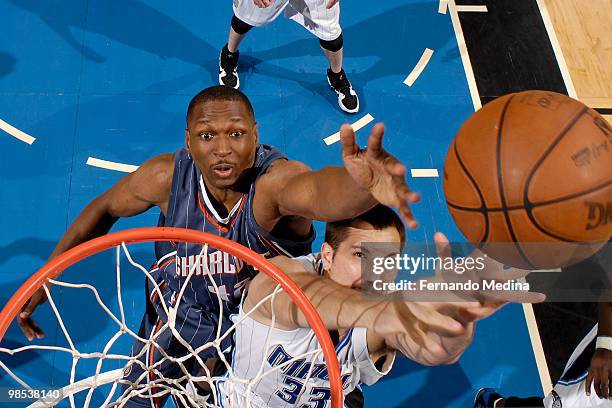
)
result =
(311, 14)
(569, 391)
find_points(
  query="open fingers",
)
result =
(29, 328)
(397, 170)
(597, 383)
(589, 382)
(407, 216)
(484, 310)
(443, 248)
(36, 328)
(404, 197)
(445, 325)
(347, 138)
(393, 166)
(605, 383)
(375, 149)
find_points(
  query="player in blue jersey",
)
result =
(225, 182)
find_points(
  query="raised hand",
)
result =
(28, 326)
(378, 171)
(600, 374)
(491, 270)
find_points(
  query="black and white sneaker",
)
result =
(347, 98)
(228, 64)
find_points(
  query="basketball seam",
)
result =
(571, 196)
(528, 205)
(483, 207)
(501, 183)
(533, 205)
(487, 209)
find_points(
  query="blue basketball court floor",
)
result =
(109, 80)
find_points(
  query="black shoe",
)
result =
(228, 63)
(486, 398)
(347, 98)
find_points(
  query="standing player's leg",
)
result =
(246, 16)
(336, 77)
(228, 59)
(324, 23)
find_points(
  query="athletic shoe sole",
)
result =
(221, 72)
(345, 109)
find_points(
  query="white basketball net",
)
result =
(186, 389)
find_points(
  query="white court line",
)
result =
(571, 91)
(538, 350)
(465, 58)
(417, 173)
(532, 327)
(356, 126)
(109, 165)
(16, 133)
(442, 6)
(472, 9)
(419, 67)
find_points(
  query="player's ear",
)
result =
(327, 256)
(187, 139)
(256, 132)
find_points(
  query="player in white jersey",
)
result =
(320, 17)
(367, 332)
(586, 381)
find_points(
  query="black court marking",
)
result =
(509, 48)
(604, 111)
(500, 183)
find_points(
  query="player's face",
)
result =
(222, 139)
(344, 264)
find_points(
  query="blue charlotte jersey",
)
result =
(190, 207)
(197, 313)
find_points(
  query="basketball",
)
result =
(532, 170)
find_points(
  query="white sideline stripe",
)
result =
(419, 67)
(356, 126)
(571, 91)
(109, 165)
(442, 6)
(465, 58)
(470, 9)
(538, 350)
(16, 133)
(103, 379)
(424, 173)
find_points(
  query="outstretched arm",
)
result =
(336, 193)
(430, 333)
(133, 194)
(342, 308)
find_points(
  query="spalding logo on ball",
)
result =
(529, 168)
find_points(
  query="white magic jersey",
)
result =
(300, 383)
(569, 392)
